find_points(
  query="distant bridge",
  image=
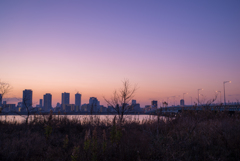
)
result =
(177, 109)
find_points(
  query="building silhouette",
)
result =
(0, 100)
(78, 101)
(19, 106)
(47, 99)
(182, 102)
(84, 107)
(135, 106)
(94, 104)
(154, 104)
(8, 107)
(69, 107)
(134, 102)
(40, 103)
(27, 100)
(58, 105)
(65, 98)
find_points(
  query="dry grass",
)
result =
(205, 135)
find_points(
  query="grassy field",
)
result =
(204, 135)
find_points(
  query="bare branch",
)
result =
(4, 88)
(120, 99)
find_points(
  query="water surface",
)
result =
(82, 118)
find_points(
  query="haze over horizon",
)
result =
(167, 48)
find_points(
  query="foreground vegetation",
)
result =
(204, 135)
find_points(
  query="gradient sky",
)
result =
(167, 48)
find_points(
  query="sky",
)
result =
(165, 48)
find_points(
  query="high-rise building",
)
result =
(182, 102)
(27, 99)
(78, 101)
(0, 99)
(154, 104)
(65, 98)
(94, 104)
(93, 100)
(47, 98)
(40, 103)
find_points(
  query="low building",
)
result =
(8, 107)
(103, 109)
(84, 107)
(68, 107)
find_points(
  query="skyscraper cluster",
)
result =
(45, 104)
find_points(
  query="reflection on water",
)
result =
(82, 118)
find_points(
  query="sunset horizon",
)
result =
(165, 48)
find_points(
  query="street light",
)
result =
(174, 99)
(224, 90)
(184, 94)
(220, 96)
(198, 94)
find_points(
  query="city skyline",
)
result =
(165, 48)
(46, 100)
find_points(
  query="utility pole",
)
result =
(198, 94)
(224, 90)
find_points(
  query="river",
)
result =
(82, 118)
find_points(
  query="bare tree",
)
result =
(165, 104)
(4, 89)
(211, 101)
(206, 103)
(120, 101)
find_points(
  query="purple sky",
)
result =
(167, 48)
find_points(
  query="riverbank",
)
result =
(69, 113)
(204, 135)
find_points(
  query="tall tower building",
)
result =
(0, 99)
(182, 102)
(78, 100)
(27, 99)
(47, 98)
(65, 98)
(40, 103)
